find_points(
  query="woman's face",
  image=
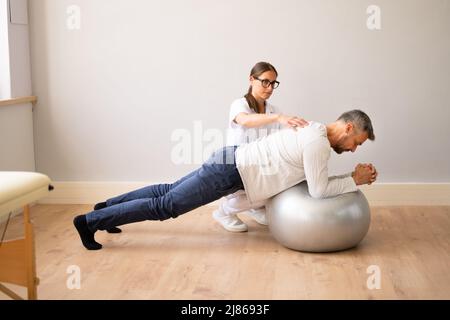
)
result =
(258, 90)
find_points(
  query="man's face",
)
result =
(350, 140)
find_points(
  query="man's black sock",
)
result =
(100, 205)
(113, 230)
(87, 237)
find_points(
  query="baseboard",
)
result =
(382, 194)
(408, 194)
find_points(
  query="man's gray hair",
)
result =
(361, 120)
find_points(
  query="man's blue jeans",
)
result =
(216, 178)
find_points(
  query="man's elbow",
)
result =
(317, 193)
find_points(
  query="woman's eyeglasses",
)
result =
(266, 83)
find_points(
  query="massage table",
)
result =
(17, 258)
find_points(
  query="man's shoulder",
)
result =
(314, 132)
(317, 128)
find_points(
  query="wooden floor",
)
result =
(194, 258)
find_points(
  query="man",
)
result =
(262, 168)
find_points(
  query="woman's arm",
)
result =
(258, 120)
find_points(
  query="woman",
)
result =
(251, 118)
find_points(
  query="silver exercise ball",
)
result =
(303, 223)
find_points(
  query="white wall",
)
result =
(16, 122)
(5, 79)
(112, 93)
(19, 48)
